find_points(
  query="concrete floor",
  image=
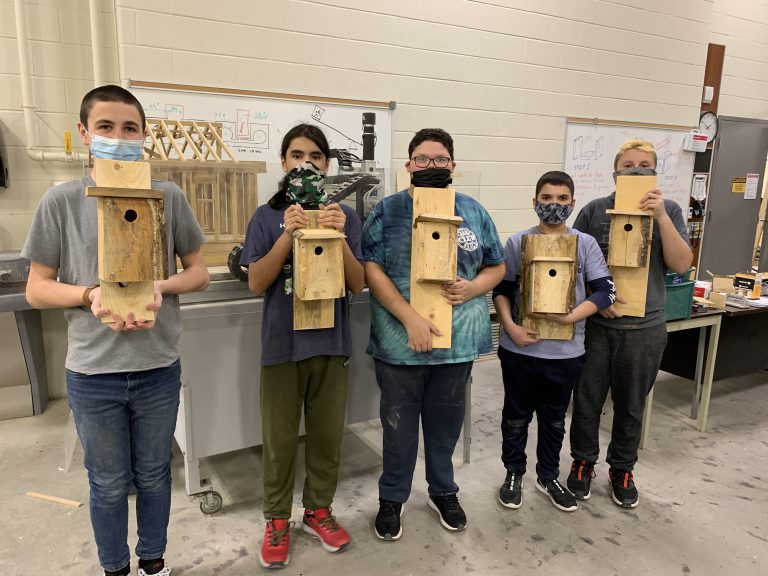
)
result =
(703, 507)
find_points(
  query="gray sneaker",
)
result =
(511, 492)
(561, 498)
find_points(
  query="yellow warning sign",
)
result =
(739, 185)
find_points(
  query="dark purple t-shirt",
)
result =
(279, 341)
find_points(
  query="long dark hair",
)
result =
(279, 200)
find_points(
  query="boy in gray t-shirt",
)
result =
(624, 353)
(539, 374)
(123, 378)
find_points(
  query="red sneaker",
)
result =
(275, 551)
(322, 524)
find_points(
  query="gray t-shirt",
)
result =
(590, 266)
(64, 236)
(594, 221)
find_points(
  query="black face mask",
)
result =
(431, 178)
(634, 171)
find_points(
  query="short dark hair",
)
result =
(431, 135)
(279, 199)
(109, 93)
(555, 178)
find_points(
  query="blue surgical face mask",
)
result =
(116, 148)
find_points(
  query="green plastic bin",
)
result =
(679, 300)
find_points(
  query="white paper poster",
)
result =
(751, 191)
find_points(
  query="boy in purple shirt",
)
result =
(539, 374)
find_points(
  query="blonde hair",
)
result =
(635, 144)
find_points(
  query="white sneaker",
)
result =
(166, 571)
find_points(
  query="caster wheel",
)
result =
(211, 502)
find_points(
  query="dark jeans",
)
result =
(436, 395)
(542, 386)
(126, 421)
(624, 362)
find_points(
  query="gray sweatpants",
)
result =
(624, 362)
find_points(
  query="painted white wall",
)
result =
(500, 75)
(60, 56)
(742, 26)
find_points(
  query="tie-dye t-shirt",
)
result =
(387, 242)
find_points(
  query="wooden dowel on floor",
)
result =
(55, 499)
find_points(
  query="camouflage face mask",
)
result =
(306, 185)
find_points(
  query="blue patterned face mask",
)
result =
(116, 148)
(553, 213)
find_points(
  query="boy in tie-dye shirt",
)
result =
(417, 381)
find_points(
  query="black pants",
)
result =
(535, 385)
(625, 362)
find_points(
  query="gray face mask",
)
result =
(553, 213)
(634, 171)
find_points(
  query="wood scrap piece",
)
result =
(55, 499)
(123, 299)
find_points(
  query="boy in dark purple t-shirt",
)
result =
(305, 368)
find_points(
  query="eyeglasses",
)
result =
(439, 162)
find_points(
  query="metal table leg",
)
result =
(709, 372)
(30, 326)
(697, 377)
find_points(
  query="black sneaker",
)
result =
(623, 491)
(449, 511)
(511, 492)
(580, 479)
(561, 498)
(387, 524)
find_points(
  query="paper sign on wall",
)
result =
(751, 189)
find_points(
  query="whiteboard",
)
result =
(253, 126)
(590, 149)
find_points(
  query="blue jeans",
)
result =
(434, 393)
(126, 421)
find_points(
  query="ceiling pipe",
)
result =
(96, 43)
(27, 99)
(124, 80)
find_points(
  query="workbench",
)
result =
(708, 325)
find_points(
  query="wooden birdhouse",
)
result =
(629, 245)
(318, 274)
(318, 264)
(131, 237)
(435, 242)
(548, 282)
(630, 238)
(552, 279)
(434, 257)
